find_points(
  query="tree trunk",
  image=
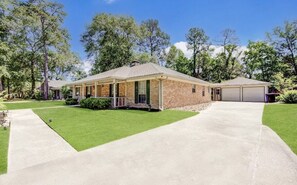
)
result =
(45, 90)
(32, 77)
(8, 87)
(294, 66)
(2, 84)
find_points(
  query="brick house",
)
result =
(55, 87)
(143, 86)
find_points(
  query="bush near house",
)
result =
(288, 97)
(71, 101)
(66, 92)
(38, 95)
(95, 103)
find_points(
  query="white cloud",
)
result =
(87, 65)
(216, 49)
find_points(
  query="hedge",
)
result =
(95, 103)
(288, 97)
(71, 101)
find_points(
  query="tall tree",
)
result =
(261, 61)
(197, 41)
(53, 36)
(6, 50)
(284, 40)
(62, 64)
(110, 41)
(171, 57)
(230, 56)
(39, 27)
(153, 40)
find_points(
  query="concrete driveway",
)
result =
(225, 144)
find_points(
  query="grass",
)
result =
(30, 105)
(84, 128)
(4, 137)
(282, 118)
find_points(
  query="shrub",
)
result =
(71, 101)
(3, 93)
(50, 95)
(95, 103)
(66, 92)
(288, 97)
(38, 95)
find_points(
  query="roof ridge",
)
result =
(156, 66)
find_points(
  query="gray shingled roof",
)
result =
(241, 81)
(57, 83)
(138, 71)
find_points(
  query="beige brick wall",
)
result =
(178, 94)
(154, 92)
(105, 90)
(130, 93)
(122, 89)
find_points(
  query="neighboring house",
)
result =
(143, 86)
(240, 89)
(55, 87)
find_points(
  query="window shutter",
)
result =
(110, 90)
(136, 92)
(148, 92)
(118, 90)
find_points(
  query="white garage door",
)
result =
(253, 94)
(231, 94)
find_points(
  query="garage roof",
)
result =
(240, 81)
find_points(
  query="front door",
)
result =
(216, 94)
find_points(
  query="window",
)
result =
(111, 90)
(142, 92)
(218, 91)
(203, 91)
(77, 91)
(193, 88)
(88, 91)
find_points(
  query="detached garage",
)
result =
(241, 89)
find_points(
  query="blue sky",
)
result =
(250, 18)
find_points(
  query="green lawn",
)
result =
(282, 118)
(29, 105)
(4, 136)
(84, 128)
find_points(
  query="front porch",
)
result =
(117, 92)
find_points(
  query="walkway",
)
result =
(32, 142)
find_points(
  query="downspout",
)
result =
(73, 91)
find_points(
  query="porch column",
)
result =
(114, 93)
(73, 91)
(160, 94)
(83, 90)
(126, 89)
(96, 89)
